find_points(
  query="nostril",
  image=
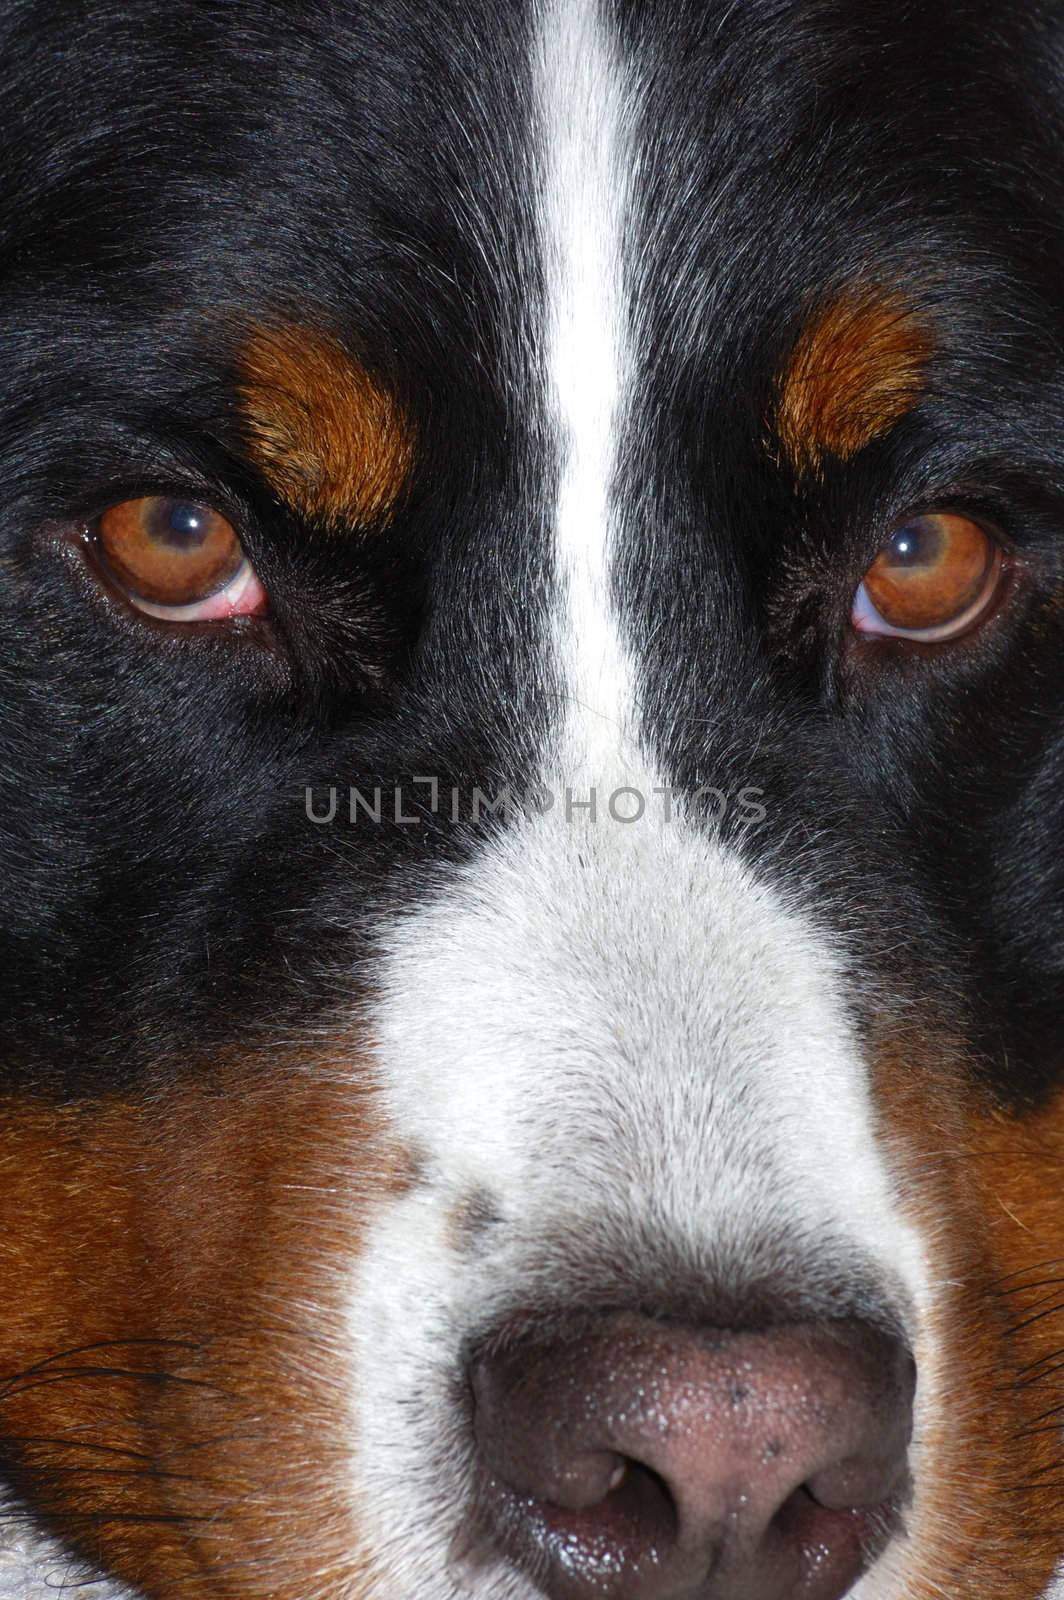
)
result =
(626, 1538)
(644, 1462)
(585, 1480)
(637, 1509)
(638, 1488)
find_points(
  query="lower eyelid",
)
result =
(243, 596)
(864, 612)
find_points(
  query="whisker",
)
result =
(1029, 1288)
(1028, 1322)
(47, 1473)
(96, 1519)
(1052, 1355)
(1042, 1417)
(15, 1388)
(1035, 1266)
(67, 1443)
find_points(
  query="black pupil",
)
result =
(915, 545)
(181, 524)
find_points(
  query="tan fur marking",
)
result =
(173, 1268)
(857, 368)
(330, 439)
(981, 1188)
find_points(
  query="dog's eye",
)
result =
(178, 559)
(936, 578)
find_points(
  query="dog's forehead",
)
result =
(387, 164)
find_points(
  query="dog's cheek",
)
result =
(176, 1396)
(978, 1185)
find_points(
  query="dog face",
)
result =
(530, 747)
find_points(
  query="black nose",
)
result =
(639, 1461)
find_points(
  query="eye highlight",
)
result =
(177, 559)
(935, 579)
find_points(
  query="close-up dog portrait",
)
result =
(532, 800)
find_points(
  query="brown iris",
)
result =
(168, 551)
(934, 573)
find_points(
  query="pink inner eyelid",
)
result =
(866, 619)
(242, 596)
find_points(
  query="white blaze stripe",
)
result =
(587, 108)
(622, 1028)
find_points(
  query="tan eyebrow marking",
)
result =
(857, 368)
(331, 440)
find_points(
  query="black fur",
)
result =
(173, 176)
(169, 182)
